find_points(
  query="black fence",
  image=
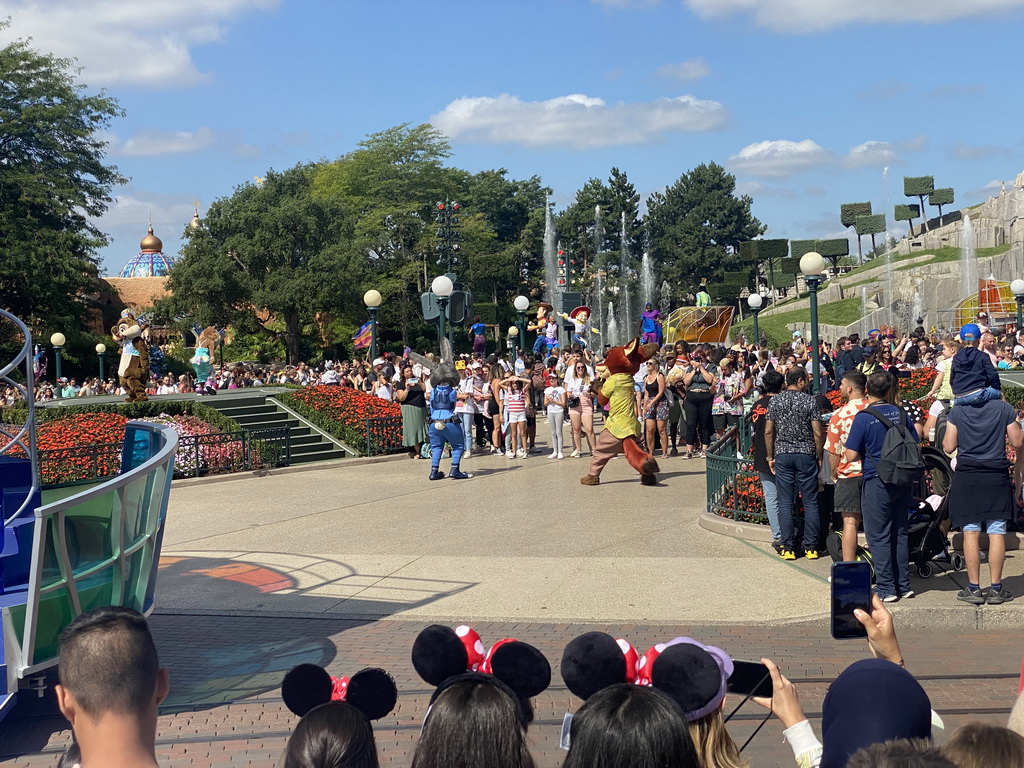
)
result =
(197, 456)
(383, 435)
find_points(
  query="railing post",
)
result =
(368, 451)
(288, 446)
(195, 442)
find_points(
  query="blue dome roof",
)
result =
(147, 264)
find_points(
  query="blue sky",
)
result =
(806, 101)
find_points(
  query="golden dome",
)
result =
(151, 242)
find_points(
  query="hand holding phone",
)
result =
(851, 591)
(750, 678)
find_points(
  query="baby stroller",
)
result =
(929, 543)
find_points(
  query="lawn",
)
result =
(776, 327)
(947, 253)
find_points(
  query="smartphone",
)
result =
(851, 589)
(749, 678)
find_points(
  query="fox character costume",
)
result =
(621, 429)
(133, 369)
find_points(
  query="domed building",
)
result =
(150, 261)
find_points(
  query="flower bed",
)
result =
(345, 414)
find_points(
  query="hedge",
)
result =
(834, 248)
(916, 186)
(348, 435)
(942, 196)
(907, 212)
(849, 212)
(871, 225)
(802, 247)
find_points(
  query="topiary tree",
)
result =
(941, 197)
(848, 214)
(919, 186)
(908, 213)
(871, 225)
(798, 248)
(833, 249)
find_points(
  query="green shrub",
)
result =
(348, 435)
(849, 212)
(151, 408)
(833, 249)
(1014, 395)
(871, 225)
(907, 212)
(800, 247)
(772, 249)
(916, 186)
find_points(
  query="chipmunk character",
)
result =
(133, 370)
(580, 318)
(202, 360)
(445, 424)
(621, 429)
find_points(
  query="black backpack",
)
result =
(901, 461)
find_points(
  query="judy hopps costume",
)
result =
(445, 424)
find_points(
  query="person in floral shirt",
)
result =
(727, 408)
(847, 475)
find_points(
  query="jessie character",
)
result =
(621, 428)
(580, 318)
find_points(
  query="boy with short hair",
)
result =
(973, 377)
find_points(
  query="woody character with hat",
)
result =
(580, 318)
(544, 311)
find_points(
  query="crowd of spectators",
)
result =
(666, 710)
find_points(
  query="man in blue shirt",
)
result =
(884, 507)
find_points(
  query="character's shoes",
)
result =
(648, 480)
(590, 480)
(211, 390)
(200, 392)
(142, 399)
(650, 467)
(458, 474)
(437, 474)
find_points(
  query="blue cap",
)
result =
(970, 332)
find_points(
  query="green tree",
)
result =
(919, 186)
(908, 213)
(848, 215)
(53, 184)
(268, 260)
(695, 226)
(941, 197)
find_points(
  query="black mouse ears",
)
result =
(440, 653)
(371, 690)
(594, 660)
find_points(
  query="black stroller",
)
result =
(928, 541)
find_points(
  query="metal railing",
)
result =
(733, 485)
(383, 435)
(196, 456)
(24, 437)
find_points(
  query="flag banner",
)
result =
(362, 337)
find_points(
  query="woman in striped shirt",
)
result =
(517, 393)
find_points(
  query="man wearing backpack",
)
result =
(889, 466)
(981, 493)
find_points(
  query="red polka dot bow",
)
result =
(477, 659)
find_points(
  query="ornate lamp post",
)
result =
(101, 349)
(754, 301)
(521, 303)
(513, 338)
(811, 266)
(442, 287)
(372, 301)
(58, 341)
(1017, 286)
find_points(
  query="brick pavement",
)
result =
(225, 708)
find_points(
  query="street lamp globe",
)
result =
(513, 332)
(58, 340)
(372, 299)
(1017, 287)
(521, 303)
(101, 348)
(812, 264)
(754, 301)
(442, 286)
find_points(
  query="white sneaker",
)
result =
(574, 455)
(511, 455)
(521, 454)
(561, 456)
(552, 455)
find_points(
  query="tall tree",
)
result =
(272, 254)
(941, 197)
(696, 225)
(919, 186)
(53, 183)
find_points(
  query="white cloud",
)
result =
(127, 42)
(779, 158)
(575, 121)
(152, 142)
(798, 16)
(692, 69)
(872, 154)
(757, 189)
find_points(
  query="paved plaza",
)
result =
(343, 564)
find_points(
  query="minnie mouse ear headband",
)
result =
(371, 691)
(693, 674)
(444, 656)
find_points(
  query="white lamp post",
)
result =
(1017, 287)
(521, 303)
(811, 266)
(101, 349)
(754, 301)
(58, 341)
(442, 287)
(372, 300)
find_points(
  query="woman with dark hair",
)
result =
(333, 735)
(411, 394)
(475, 723)
(630, 726)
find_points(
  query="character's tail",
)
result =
(639, 459)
